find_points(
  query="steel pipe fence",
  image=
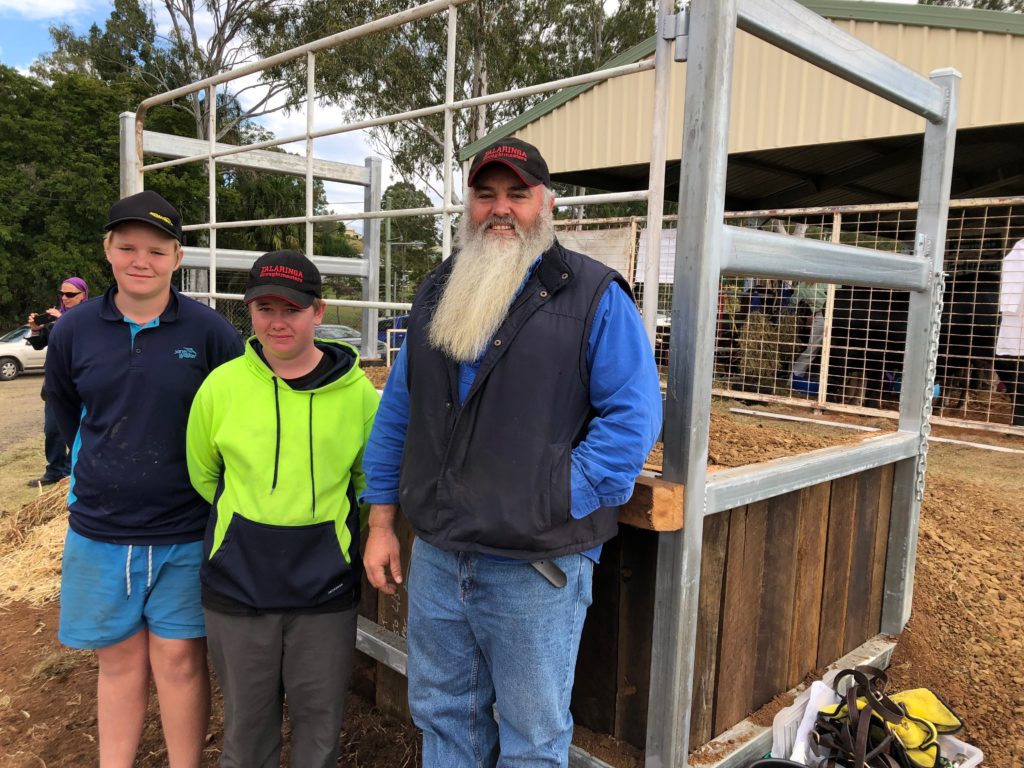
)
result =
(703, 248)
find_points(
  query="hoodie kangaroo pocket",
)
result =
(275, 566)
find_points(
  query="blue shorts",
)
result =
(108, 592)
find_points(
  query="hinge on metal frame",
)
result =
(677, 27)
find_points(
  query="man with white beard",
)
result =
(516, 418)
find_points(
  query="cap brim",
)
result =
(527, 178)
(165, 228)
(284, 293)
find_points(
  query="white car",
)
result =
(17, 355)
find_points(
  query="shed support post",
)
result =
(699, 241)
(923, 322)
(656, 182)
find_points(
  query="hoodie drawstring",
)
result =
(312, 476)
(277, 440)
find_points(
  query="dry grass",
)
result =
(30, 571)
(16, 526)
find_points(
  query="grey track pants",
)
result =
(258, 661)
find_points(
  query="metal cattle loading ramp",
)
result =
(703, 35)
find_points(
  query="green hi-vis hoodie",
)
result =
(282, 469)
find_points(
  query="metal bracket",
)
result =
(676, 27)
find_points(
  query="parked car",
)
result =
(398, 323)
(17, 355)
(348, 334)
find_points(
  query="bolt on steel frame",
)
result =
(703, 35)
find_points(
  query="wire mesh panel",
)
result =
(840, 347)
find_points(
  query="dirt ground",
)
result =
(964, 638)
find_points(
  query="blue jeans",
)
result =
(58, 458)
(485, 632)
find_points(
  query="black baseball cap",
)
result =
(149, 208)
(287, 275)
(523, 158)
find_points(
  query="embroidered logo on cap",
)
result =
(501, 152)
(156, 215)
(286, 273)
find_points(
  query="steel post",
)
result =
(699, 240)
(923, 323)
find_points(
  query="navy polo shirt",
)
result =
(121, 394)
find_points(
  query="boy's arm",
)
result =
(205, 465)
(59, 386)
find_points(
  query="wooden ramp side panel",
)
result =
(863, 548)
(877, 588)
(638, 575)
(594, 692)
(778, 598)
(392, 614)
(709, 619)
(734, 693)
(809, 577)
(838, 554)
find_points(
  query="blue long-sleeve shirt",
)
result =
(624, 392)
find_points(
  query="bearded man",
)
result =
(517, 416)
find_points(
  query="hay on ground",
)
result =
(30, 571)
(52, 502)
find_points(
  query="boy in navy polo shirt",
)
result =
(121, 374)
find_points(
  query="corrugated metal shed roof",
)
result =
(801, 136)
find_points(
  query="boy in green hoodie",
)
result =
(275, 443)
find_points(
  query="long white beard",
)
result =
(483, 282)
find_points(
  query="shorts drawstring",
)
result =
(128, 570)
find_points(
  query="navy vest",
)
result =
(493, 475)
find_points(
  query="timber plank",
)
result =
(392, 614)
(740, 615)
(656, 505)
(863, 546)
(637, 575)
(809, 554)
(709, 616)
(877, 589)
(593, 695)
(778, 596)
(838, 552)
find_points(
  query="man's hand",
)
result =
(382, 560)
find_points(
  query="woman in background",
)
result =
(73, 291)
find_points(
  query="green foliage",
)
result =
(414, 241)
(59, 161)
(58, 176)
(501, 46)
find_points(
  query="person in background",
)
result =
(809, 297)
(275, 443)
(518, 414)
(73, 291)
(1009, 360)
(121, 373)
